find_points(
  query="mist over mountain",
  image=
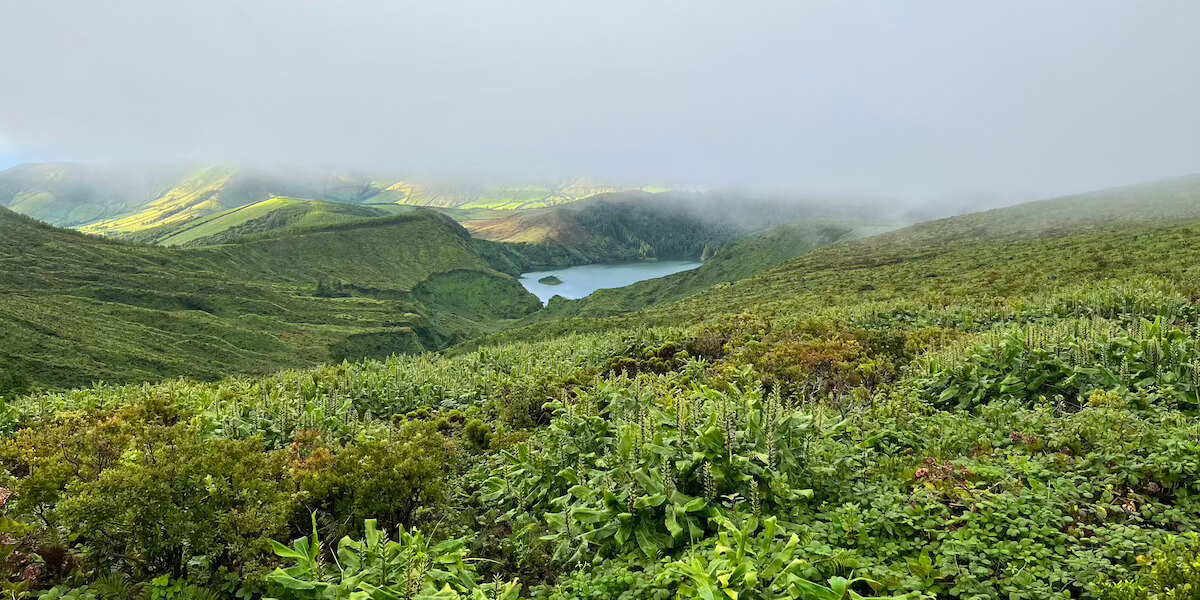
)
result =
(116, 198)
(126, 197)
(866, 98)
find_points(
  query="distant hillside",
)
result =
(213, 190)
(743, 259)
(273, 215)
(69, 195)
(478, 195)
(78, 308)
(605, 228)
(602, 229)
(1073, 242)
(128, 199)
(1116, 235)
(672, 225)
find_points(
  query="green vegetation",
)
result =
(475, 195)
(203, 192)
(548, 225)
(274, 215)
(79, 309)
(740, 260)
(550, 280)
(1000, 405)
(1171, 571)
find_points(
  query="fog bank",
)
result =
(942, 99)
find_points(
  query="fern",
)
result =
(195, 592)
(117, 586)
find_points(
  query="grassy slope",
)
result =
(602, 229)
(1030, 248)
(78, 308)
(608, 228)
(268, 215)
(988, 258)
(596, 230)
(128, 199)
(533, 226)
(205, 192)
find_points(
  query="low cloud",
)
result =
(1017, 98)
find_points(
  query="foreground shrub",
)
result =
(182, 506)
(618, 472)
(386, 479)
(380, 568)
(752, 564)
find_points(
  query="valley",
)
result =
(921, 404)
(290, 282)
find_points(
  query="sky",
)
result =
(929, 99)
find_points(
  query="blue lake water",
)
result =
(580, 281)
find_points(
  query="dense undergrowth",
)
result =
(1037, 449)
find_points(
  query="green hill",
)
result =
(605, 228)
(597, 230)
(78, 308)
(613, 228)
(273, 215)
(1032, 248)
(216, 189)
(129, 199)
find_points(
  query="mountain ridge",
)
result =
(116, 199)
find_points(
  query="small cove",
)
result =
(579, 281)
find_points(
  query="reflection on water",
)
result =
(580, 281)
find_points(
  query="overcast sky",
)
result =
(901, 99)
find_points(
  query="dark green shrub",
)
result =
(478, 433)
(14, 382)
(389, 479)
(328, 287)
(177, 498)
